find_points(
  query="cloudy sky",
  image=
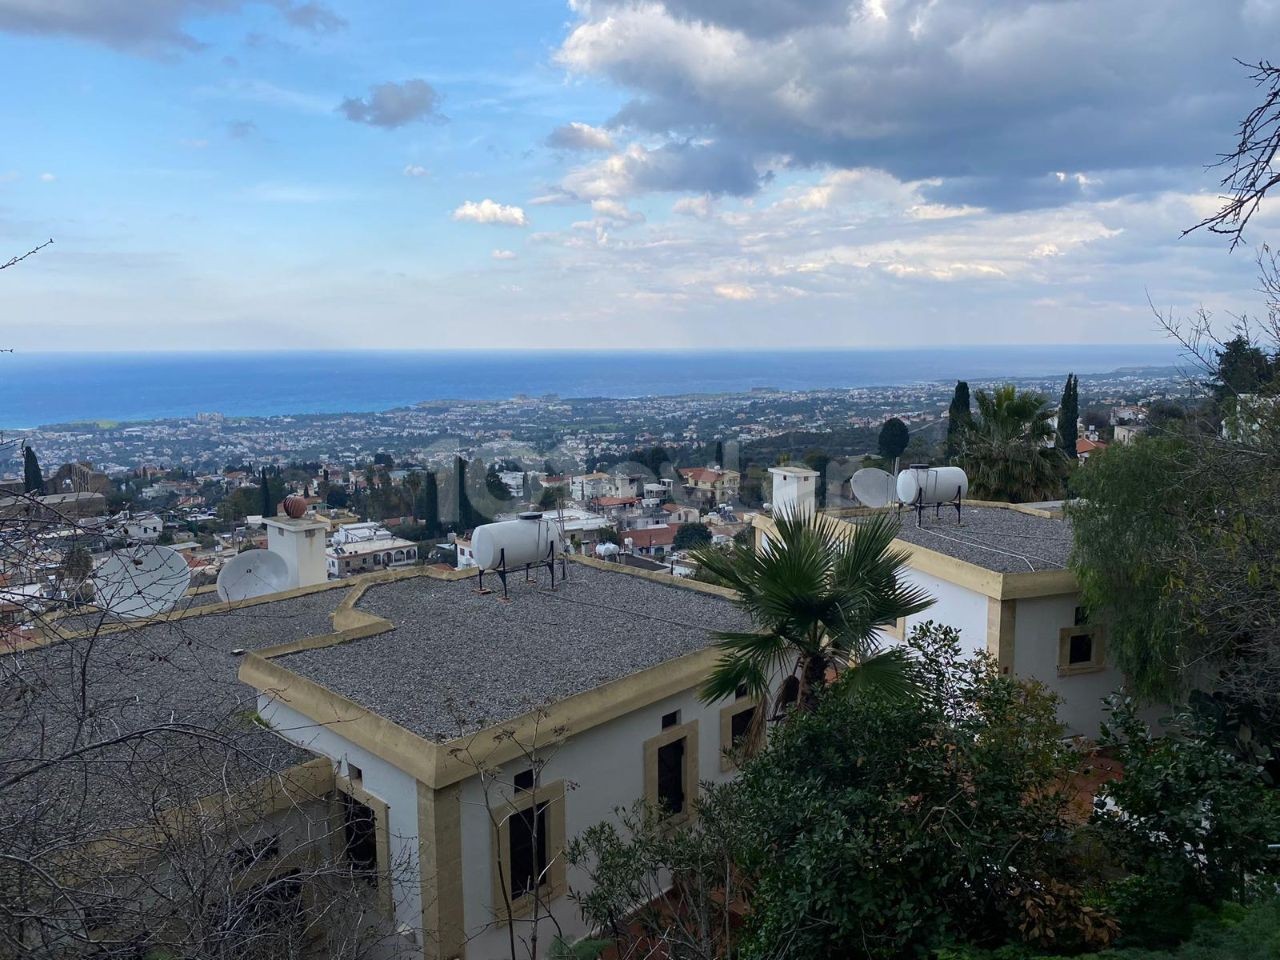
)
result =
(612, 173)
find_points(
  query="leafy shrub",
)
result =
(1189, 822)
(899, 824)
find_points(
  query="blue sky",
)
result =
(226, 174)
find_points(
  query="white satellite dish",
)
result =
(873, 487)
(141, 581)
(253, 573)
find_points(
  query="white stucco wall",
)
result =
(397, 789)
(1037, 622)
(954, 606)
(607, 764)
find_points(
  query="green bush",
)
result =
(1234, 933)
(1189, 823)
(899, 824)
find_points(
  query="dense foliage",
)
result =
(959, 419)
(1009, 453)
(690, 536)
(1189, 823)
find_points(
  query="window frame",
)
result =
(555, 884)
(728, 755)
(1098, 659)
(689, 733)
(354, 788)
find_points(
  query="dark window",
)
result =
(1081, 649)
(670, 719)
(252, 854)
(741, 691)
(740, 724)
(524, 780)
(528, 848)
(671, 776)
(360, 832)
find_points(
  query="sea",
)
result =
(48, 388)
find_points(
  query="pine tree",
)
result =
(32, 477)
(1068, 416)
(959, 419)
(719, 456)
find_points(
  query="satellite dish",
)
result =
(253, 573)
(141, 581)
(873, 487)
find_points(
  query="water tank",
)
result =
(607, 550)
(930, 485)
(529, 539)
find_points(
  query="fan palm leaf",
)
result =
(818, 592)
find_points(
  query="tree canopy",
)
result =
(1009, 453)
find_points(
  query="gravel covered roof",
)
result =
(84, 690)
(457, 661)
(1005, 541)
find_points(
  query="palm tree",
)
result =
(817, 592)
(1009, 452)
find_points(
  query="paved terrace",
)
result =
(997, 539)
(457, 662)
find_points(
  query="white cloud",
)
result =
(48, 177)
(700, 208)
(734, 291)
(505, 255)
(580, 136)
(415, 170)
(488, 211)
(614, 210)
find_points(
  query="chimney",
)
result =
(795, 490)
(301, 544)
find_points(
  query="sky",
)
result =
(662, 174)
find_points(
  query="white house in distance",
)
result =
(413, 694)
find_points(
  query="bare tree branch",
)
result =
(1251, 165)
(18, 259)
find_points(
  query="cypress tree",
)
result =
(32, 476)
(959, 419)
(429, 509)
(268, 502)
(1068, 415)
(719, 456)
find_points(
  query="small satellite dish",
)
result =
(141, 581)
(253, 573)
(873, 488)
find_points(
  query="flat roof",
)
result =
(179, 671)
(457, 661)
(994, 538)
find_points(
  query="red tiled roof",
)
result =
(1084, 445)
(701, 474)
(651, 536)
(616, 501)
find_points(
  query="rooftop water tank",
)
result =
(925, 486)
(530, 539)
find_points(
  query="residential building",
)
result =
(710, 486)
(1000, 577)
(368, 556)
(432, 699)
(1086, 447)
(652, 541)
(588, 486)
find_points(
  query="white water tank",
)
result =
(529, 539)
(927, 486)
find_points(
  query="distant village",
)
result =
(670, 475)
